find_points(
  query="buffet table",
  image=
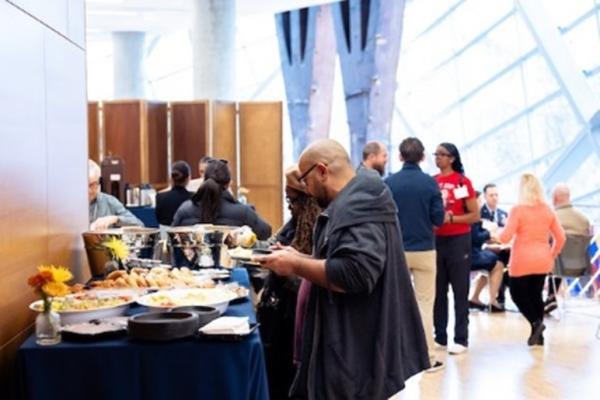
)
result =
(145, 214)
(125, 369)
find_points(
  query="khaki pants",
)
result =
(422, 266)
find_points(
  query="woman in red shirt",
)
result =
(531, 222)
(453, 246)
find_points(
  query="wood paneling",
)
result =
(189, 127)
(136, 131)
(123, 124)
(43, 165)
(224, 138)
(93, 131)
(157, 143)
(261, 157)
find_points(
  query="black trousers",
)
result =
(526, 292)
(453, 268)
(557, 281)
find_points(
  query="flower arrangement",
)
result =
(117, 248)
(49, 282)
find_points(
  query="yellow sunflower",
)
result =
(55, 289)
(59, 273)
(117, 248)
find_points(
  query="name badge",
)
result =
(461, 192)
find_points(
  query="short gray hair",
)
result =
(94, 171)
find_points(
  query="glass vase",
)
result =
(47, 328)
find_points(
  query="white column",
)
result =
(129, 78)
(213, 43)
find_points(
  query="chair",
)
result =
(573, 262)
(594, 252)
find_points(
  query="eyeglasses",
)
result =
(93, 184)
(442, 155)
(304, 175)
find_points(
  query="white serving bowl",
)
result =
(77, 316)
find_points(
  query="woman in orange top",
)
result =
(531, 222)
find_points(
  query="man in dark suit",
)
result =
(491, 212)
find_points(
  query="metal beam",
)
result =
(575, 88)
(368, 36)
(308, 67)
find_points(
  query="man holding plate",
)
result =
(361, 333)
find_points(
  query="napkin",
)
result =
(227, 326)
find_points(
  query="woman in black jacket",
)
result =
(167, 203)
(214, 204)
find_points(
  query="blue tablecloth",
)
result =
(146, 214)
(126, 369)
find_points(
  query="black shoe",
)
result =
(494, 309)
(537, 337)
(477, 306)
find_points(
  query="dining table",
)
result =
(123, 368)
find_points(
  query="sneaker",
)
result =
(438, 345)
(457, 349)
(436, 366)
(551, 306)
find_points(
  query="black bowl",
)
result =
(163, 326)
(205, 314)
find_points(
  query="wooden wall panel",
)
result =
(93, 131)
(123, 124)
(43, 165)
(157, 143)
(224, 137)
(261, 157)
(189, 127)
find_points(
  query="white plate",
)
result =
(167, 299)
(212, 273)
(73, 317)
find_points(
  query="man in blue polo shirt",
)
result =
(420, 208)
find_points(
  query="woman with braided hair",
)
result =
(276, 310)
(453, 246)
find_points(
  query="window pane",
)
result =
(584, 44)
(538, 79)
(552, 125)
(491, 106)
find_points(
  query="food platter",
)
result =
(155, 278)
(241, 292)
(83, 307)
(167, 299)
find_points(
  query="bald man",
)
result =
(375, 156)
(358, 320)
(572, 220)
(574, 223)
